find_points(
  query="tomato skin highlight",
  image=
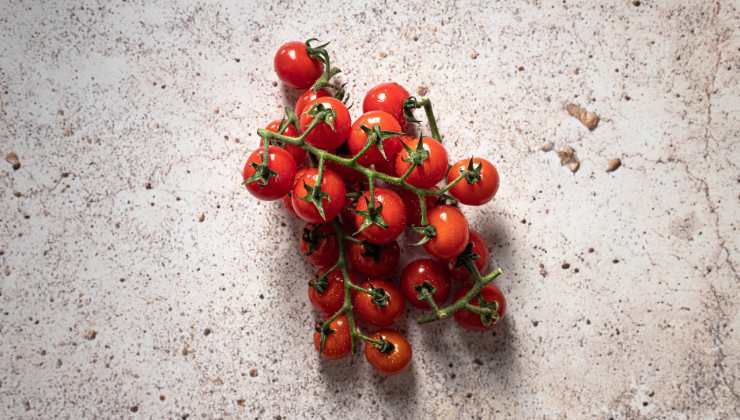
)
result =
(330, 184)
(358, 139)
(388, 256)
(393, 214)
(326, 248)
(279, 161)
(379, 316)
(332, 298)
(452, 235)
(479, 247)
(388, 97)
(338, 343)
(470, 320)
(307, 97)
(425, 270)
(323, 136)
(394, 361)
(431, 171)
(295, 67)
(299, 155)
(480, 192)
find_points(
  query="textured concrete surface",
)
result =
(131, 121)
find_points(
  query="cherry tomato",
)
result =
(332, 204)
(327, 295)
(479, 248)
(358, 138)
(373, 260)
(295, 67)
(472, 321)
(299, 155)
(383, 311)
(308, 96)
(428, 274)
(391, 359)
(388, 97)
(479, 192)
(319, 245)
(338, 342)
(411, 203)
(392, 212)
(283, 169)
(452, 232)
(430, 171)
(323, 136)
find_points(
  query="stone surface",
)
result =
(138, 278)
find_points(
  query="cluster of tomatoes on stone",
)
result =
(347, 220)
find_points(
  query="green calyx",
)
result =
(384, 346)
(320, 53)
(418, 155)
(324, 333)
(472, 172)
(371, 250)
(428, 232)
(467, 256)
(490, 316)
(371, 216)
(409, 105)
(376, 136)
(323, 113)
(320, 283)
(379, 296)
(262, 174)
(315, 195)
(313, 237)
(424, 290)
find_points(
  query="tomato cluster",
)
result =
(362, 184)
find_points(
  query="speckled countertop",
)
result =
(133, 278)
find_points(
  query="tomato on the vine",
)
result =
(338, 341)
(391, 145)
(388, 97)
(326, 291)
(332, 202)
(431, 170)
(373, 260)
(381, 309)
(323, 135)
(295, 67)
(425, 274)
(473, 321)
(480, 249)
(308, 96)
(299, 155)
(479, 186)
(393, 356)
(411, 203)
(388, 209)
(319, 245)
(452, 232)
(282, 169)
(348, 174)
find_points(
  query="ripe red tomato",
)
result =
(308, 96)
(295, 67)
(392, 211)
(299, 155)
(338, 342)
(379, 313)
(358, 139)
(472, 321)
(328, 297)
(425, 273)
(396, 356)
(323, 136)
(452, 232)
(373, 260)
(431, 171)
(331, 184)
(319, 245)
(283, 169)
(411, 203)
(482, 190)
(388, 97)
(479, 247)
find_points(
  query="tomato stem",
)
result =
(464, 301)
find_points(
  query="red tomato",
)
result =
(381, 313)
(358, 139)
(479, 247)
(452, 232)
(308, 96)
(328, 297)
(282, 165)
(471, 320)
(388, 97)
(411, 203)
(373, 260)
(338, 342)
(431, 171)
(331, 184)
(323, 136)
(425, 273)
(479, 192)
(319, 245)
(392, 212)
(394, 357)
(299, 155)
(295, 67)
